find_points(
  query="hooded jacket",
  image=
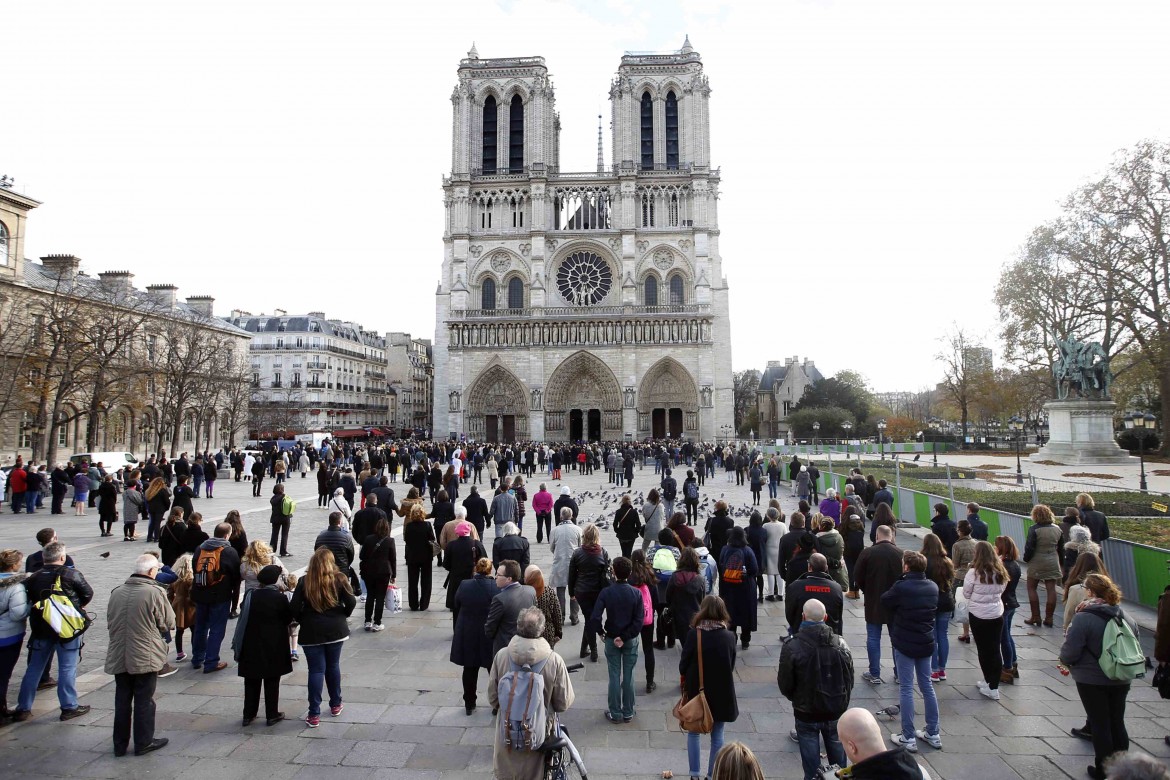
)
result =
(801, 671)
(1081, 651)
(14, 608)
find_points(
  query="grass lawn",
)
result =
(1153, 531)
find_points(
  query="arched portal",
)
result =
(583, 401)
(668, 402)
(497, 407)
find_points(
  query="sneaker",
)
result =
(167, 670)
(313, 721)
(936, 676)
(369, 626)
(378, 627)
(295, 656)
(910, 744)
(934, 740)
(363, 598)
(989, 692)
(792, 735)
(76, 712)
(335, 711)
(872, 679)
(181, 657)
(942, 675)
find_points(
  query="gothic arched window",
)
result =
(489, 135)
(647, 132)
(671, 130)
(488, 294)
(515, 294)
(651, 296)
(3, 244)
(516, 135)
(676, 290)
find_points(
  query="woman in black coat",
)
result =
(322, 604)
(171, 538)
(757, 540)
(512, 547)
(737, 570)
(442, 512)
(718, 526)
(471, 648)
(324, 479)
(194, 534)
(263, 656)
(684, 593)
(710, 627)
(417, 535)
(107, 504)
(853, 531)
(462, 553)
(627, 525)
(588, 575)
(379, 568)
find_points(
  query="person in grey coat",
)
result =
(653, 519)
(564, 540)
(506, 605)
(504, 509)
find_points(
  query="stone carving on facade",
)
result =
(535, 401)
(705, 396)
(525, 249)
(663, 259)
(643, 246)
(684, 243)
(615, 244)
(579, 333)
(500, 262)
(1083, 366)
(550, 244)
(453, 401)
(631, 397)
(643, 421)
(475, 250)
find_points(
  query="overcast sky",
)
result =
(880, 160)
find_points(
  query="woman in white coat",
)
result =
(339, 504)
(775, 528)
(249, 462)
(563, 541)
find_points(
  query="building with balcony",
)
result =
(781, 386)
(411, 373)
(311, 373)
(582, 306)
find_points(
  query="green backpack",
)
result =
(1121, 658)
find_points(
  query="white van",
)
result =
(111, 461)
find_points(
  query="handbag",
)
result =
(694, 715)
(1161, 680)
(960, 615)
(436, 550)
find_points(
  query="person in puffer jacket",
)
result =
(983, 586)
(911, 603)
(14, 608)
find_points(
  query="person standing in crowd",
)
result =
(107, 505)
(831, 506)
(14, 611)
(324, 485)
(624, 612)
(653, 518)
(942, 526)
(341, 544)
(1079, 540)
(528, 648)
(816, 675)
(81, 489)
(514, 597)
(685, 590)
(542, 507)
(1009, 555)
(737, 572)
(815, 584)
(1074, 589)
(1091, 517)
(417, 537)
(546, 602)
(941, 572)
(878, 568)
(512, 546)
(853, 536)
(139, 616)
(865, 745)
(911, 604)
(504, 507)
(262, 655)
(627, 525)
(962, 556)
(379, 570)
(179, 594)
(470, 647)
(719, 526)
(171, 535)
(691, 497)
(45, 642)
(566, 500)
(158, 502)
(979, 530)
(281, 519)
(216, 569)
(565, 539)
(1103, 697)
(774, 531)
(258, 473)
(645, 579)
(339, 504)
(708, 653)
(588, 575)
(983, 586)
(1043, 551)
(1161, 635)
(322, 603)
(462, 553)
(831, 544)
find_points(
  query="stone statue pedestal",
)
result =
(1081, 433)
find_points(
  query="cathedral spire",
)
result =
(600, 150)
(473, 53)
(686, 47)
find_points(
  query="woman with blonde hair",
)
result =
(983, 586)
(322, 603)
(258, 555)
(546, 602)
(158, 501)
(179, 593)
(736, 761)
(1042, 552)
(1103, 697)
(417, 537)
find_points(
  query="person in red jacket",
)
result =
(18, 482)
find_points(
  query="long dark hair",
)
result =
(712, 608)
(641, 572)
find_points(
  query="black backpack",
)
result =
(834, 682)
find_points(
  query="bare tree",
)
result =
(190, 352)
(16, 357)
(961, 374)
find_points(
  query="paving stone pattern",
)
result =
(404, 717)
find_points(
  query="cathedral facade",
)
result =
(582, 306)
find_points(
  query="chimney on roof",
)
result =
(204, 304)
(773, 364)
(166, 294)
(279, 313)
(238, 313)
(117, 281)
(789, 361)
(62, 266)
(318, 314)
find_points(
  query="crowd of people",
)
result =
(669, 584)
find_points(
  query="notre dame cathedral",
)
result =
(582, 305)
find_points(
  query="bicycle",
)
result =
(562, 761)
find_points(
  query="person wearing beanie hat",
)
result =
(261, 645)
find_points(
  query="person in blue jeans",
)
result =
(708, 662)
(941, 571)
(625, 614)
(217, 573)
(816, 675)
(912, 604)
(1009, 553)
(878, 568)
(322, 604)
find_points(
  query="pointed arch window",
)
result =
(3, 244)
(671, 130)
(676, 290)
(650, 298)
(488, 294)
(515, 294)
(516, 135)
(489, 135)
(647, 132)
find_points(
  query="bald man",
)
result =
(864, 744)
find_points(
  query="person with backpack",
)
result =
(912, 603)
(691, 498)
(283, 508)
(983, 587)
(816, 674)
(216, 568)
(56, 586)
(625, 613)
(738, 568)
(528, 686)
(1103, 655)
(668, 492)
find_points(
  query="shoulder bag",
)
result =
(694, 716)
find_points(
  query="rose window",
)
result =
(584, 279)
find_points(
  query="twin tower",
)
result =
(584, 306)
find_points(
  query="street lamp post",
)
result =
(847, 427)
(933, 423)
(816, 435)
(881, 427)
(1140, 423)
(1017, 426)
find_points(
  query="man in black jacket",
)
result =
(912, 603)
(340, 543)
(477, 510)
(1096, 522)
(44, 641)
(386, 500)
(790, 542)
(816, 675)
(217, 574)
(861, 736)
(59, 482)
(565, 499)
(878, 568)
(815, 584)
(364, 520)
(621, 603)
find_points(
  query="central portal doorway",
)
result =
(666, 423)
(585, 425)
(500, 428)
